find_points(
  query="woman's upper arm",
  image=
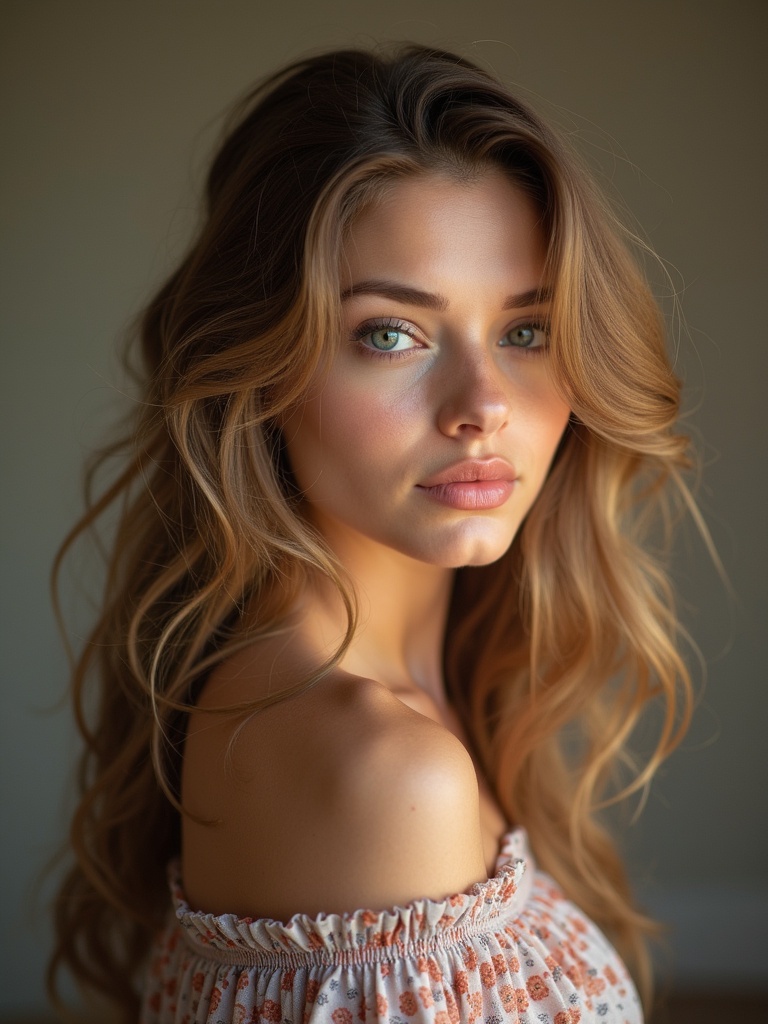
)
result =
(329, 806)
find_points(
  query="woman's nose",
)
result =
(476, 401)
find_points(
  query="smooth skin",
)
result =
(364, 792)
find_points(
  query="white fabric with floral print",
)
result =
(511, 949)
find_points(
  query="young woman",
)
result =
(378, 623)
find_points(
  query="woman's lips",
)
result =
(472, 484)
(471, 495)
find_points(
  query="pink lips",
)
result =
(473, 484)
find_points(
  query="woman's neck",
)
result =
(403, 605)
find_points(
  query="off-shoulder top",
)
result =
(512, 948)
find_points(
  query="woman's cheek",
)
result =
(370, 421)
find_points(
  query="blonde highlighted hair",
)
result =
(550, 653)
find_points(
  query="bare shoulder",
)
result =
(337, 799)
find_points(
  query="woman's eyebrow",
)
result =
(398, 292)
(431, 300)
(533, 297)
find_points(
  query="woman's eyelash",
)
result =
(386, 324)
(534, 325)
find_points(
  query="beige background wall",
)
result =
(108, 113)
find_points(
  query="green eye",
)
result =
(527, 336)
(385, 339)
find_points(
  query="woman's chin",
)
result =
(476, 550)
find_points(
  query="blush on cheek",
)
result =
(351, 425)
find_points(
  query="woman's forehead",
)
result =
(433, 230)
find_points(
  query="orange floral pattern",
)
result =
(511, 950)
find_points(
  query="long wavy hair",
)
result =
(550, 653)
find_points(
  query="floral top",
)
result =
(511, 949)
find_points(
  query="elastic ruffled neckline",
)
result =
(419, 927)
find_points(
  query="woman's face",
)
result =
(435, 427)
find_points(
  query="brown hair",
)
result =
(550, 653)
